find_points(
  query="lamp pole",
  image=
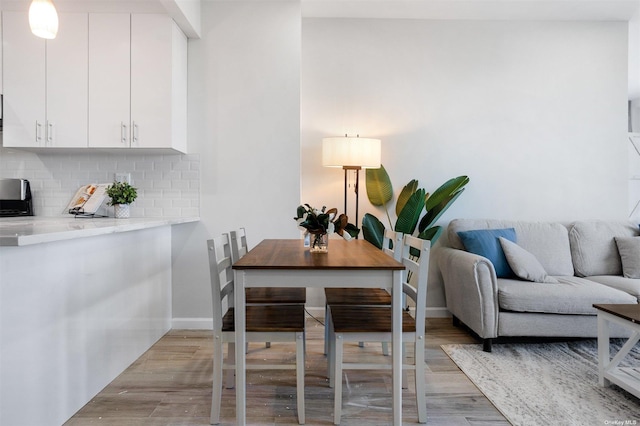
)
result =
(356, 187)
(351, 154)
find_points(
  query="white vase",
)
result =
(121, 211)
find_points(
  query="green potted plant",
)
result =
(122, 194)
(414, 206)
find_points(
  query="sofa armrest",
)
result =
(471, 290)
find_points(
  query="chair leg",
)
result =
(331, 362)
(405, 381)
(229, 379)
(421, 400)
(328, 343)
(300, 364)
(327, 319)
(337, 345)
(216, 396)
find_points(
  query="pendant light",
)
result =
(43, 19)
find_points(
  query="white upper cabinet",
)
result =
(45, 83)
(143, 105)
(23, 64)
(67, 74)
(109, 80)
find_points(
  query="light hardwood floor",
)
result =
(171, 385)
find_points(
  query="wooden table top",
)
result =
(342, 254)
(629, 312)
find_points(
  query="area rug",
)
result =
(548, 383)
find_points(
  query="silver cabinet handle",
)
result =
(123, 133)
(135, 133)
(50, 133)
(38, 132)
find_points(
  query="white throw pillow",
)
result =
(629, 249)
(524, 264)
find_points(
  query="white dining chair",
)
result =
(264, 295)
(272, 323)
(363, 296)
(357, 323)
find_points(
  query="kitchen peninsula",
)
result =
(80, 300)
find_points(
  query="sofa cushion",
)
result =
(629, 285)
(484, 242)
(593, 248)
(629, 250)
(524, 264)
(571, 295)
(548, 242)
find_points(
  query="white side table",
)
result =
(628, 316)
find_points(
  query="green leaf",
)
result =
(121, 193)
(432, 234)
(445, 191)
(352, 230)
(410, 214)
(372, 230)
(434, 214)
(379, 189)
(405, 194)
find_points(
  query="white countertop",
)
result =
(22, 231)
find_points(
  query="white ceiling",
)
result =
(475, 9)
(130, 6)
(418, 9)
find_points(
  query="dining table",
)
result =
(287, 263)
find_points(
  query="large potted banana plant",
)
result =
(414, 206)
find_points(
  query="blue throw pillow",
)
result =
(485, 242)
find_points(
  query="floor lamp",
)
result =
(351, 153)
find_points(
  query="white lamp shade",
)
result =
(351, 152)
(43, 19)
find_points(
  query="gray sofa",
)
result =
(582, 257)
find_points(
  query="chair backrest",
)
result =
(416, 262)
(392, 243)
(238, 244)
(222, 283)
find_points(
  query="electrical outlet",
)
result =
(122, 177)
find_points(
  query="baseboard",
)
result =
(317, 312)
(192, 324)
(438, 313)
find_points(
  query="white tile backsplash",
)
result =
(168, 185)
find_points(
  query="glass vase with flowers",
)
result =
(320, 223)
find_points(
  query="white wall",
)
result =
(535, 113)
(244, 109)
(168, 185)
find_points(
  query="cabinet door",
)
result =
(67, 73)
(151, 85)
(109, 80)
(24, 83)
